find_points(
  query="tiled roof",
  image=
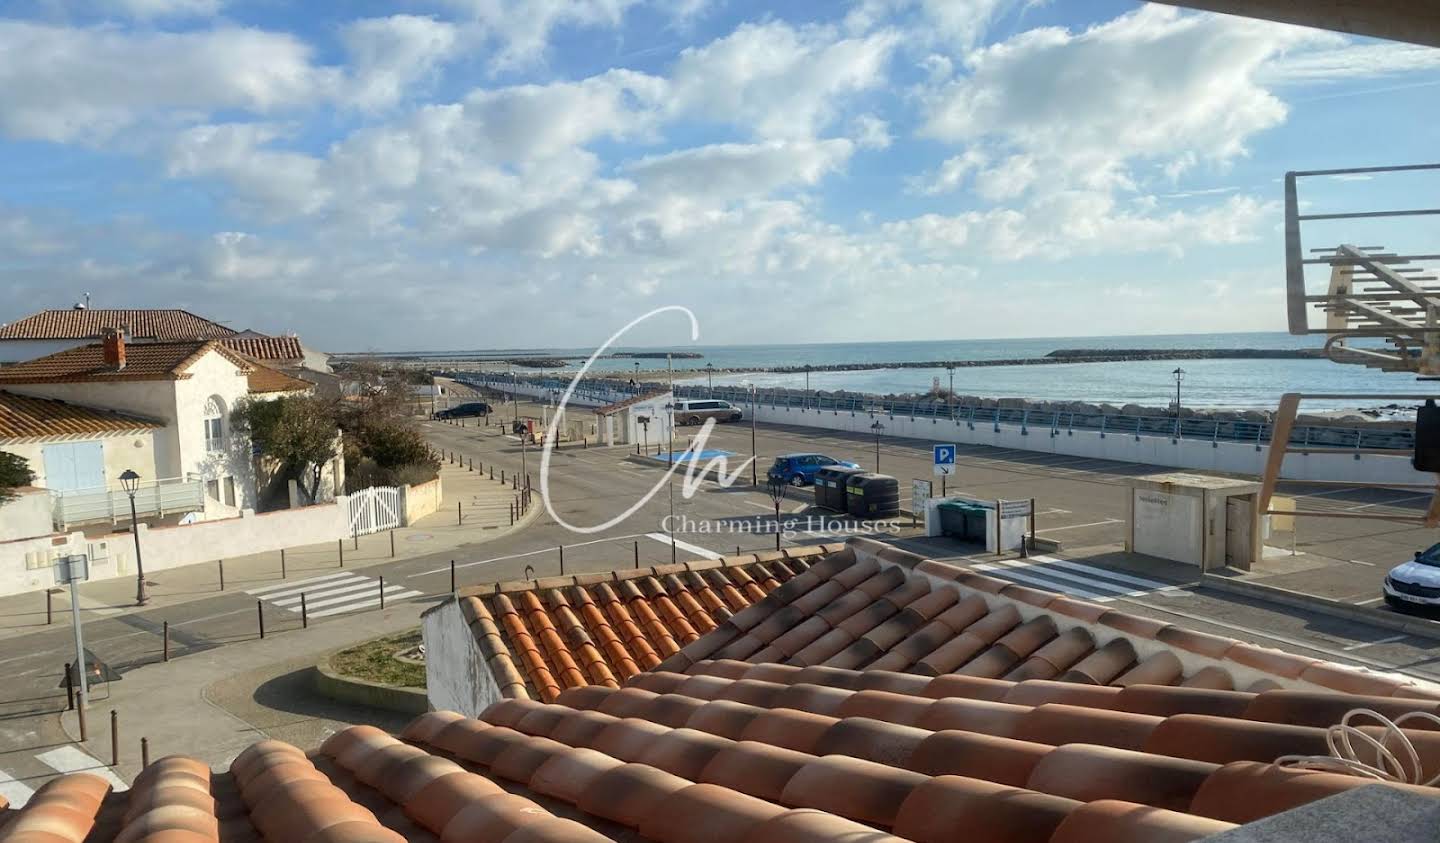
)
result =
(25, 417)
(541, 637)
(143, 361)
(731, 752)
(267, 348)
(262, 378)
(162, 325)
(705, 748)
(634, 399)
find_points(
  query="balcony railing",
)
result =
(156, 497)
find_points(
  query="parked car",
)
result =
(697, 411)
(1415, 584)
(464, 411)
(800, 469)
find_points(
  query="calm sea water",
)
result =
(1207, 383)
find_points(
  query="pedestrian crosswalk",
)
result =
(18, 787)
(332, 594)
(1078, 579)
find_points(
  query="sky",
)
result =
(502, 174)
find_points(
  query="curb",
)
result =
(1323, 605)
(344, 689)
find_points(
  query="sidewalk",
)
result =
(211, 705)
(473, 509)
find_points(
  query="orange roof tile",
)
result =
(267, 348)
(26, 417)
(159, 325)
(143, 361)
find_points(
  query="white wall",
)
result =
(1229, 457)
(149, 399)
(1167, 525)
(28, 515)
(456, 675)
(121, 451)
(213, 374)
(26, 565)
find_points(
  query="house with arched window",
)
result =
(175, 399)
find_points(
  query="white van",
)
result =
(698, 410)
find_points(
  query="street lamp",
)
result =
(1179, 375)
(710, 376)
(754, 457)
(807, 384)
(950, 367)
(670, 461)
(777, 488)
(130, 482)
(878, 428)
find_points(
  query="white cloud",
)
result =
(153, 9)
(520, 29)
(277, 182)
(65, 84)
(1153, 85)
(778, 81)
(390, 54)
(870, 132)
(724, 172)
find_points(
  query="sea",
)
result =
(1239, 384)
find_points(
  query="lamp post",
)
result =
(777, 488)
(878, 428)
(807, 384)
(710, 376)
(130, 482)
(670, 481)
(1179, 375)
(754, 457)
(950, 367)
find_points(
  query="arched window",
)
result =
(214, 424)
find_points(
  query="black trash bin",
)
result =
(869, 495)
(964, 521)
(830, 486)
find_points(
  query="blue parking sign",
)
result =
(944, 460)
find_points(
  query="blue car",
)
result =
(799, 469)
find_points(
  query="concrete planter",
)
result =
(359, 692)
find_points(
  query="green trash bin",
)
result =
(963, 521)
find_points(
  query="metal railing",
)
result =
(157, 497)
(1030, 422)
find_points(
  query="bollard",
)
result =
(221, 564)
(49, 606)
(114, 739)
(69, 688)
(512, 513)
(472, 463)
(459, 516)
(492, 471)
(737, 550)
(527, 481)
(282, 563)
(562, 560)
(515, 481)
(304, 614)
(392, 544)
(340, 549)
(165, 632)
(260, 616)
(502, 475)
(144, 753)
(452, 576)
(637, 556)
(357, 541)
(382, 592)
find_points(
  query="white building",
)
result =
(183, 391)
(642, 419)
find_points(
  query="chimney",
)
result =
(112, 342)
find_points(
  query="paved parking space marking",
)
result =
(69, 759)
(15, 792)
(685, 546)
(1078, 526)
(1362, 645)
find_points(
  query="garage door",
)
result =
(73, 466)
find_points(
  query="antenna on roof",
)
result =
(83, 305)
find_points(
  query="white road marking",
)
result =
(1076, 578)
(270, 589)
(15, 792)
(367, 603)
(69, 759)
(1362, 645)
(525, 554)
(685, 546)
(1425, 497)
(1078, 526)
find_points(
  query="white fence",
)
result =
(375, 509)
(155, 498)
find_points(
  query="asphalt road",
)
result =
(1079, 502)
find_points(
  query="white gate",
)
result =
(374, 509)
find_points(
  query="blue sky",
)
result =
(468, 173)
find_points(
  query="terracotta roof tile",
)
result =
(25, 417)
(143, 361)
(80, 324)
(287, 349)
(726, 750)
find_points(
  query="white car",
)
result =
(1416, 583)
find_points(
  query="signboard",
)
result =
(1015, 509)
(944, 460)
(71, 569)
(919, 496)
